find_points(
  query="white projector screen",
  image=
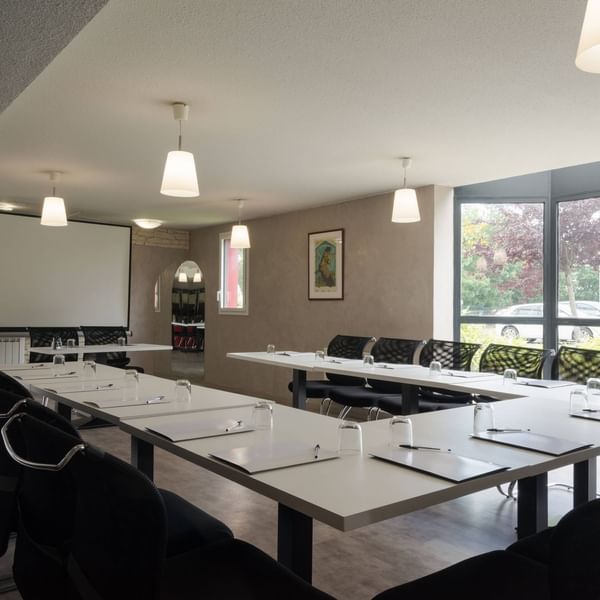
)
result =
(63, 276)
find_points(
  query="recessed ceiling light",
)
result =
(6, 206)
(147, 223)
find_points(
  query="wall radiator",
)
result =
(12, 350)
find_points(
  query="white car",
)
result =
(580, 333)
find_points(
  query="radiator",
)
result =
(12, 350)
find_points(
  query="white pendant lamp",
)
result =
(182, 278)
(239, 233)
(53, 209)
(197, 277)
(588, 52)
(147, 223)
(406, 207)
(179, 177)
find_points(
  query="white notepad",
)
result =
(48, 377)
(468, 374)
(445, 465)
(35, 367)
(73, 387)
(278, 455)
(532, 441)
(194, 429)
(544, 383)
(581, 414)
(116, 402)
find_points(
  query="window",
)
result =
(233, 294)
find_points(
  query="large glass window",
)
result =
(233, 294)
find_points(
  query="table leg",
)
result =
(584, 481)
(410, 399)
(532, 505)
(142, 456)
(63, 410)
(294, 541)
(299, 386)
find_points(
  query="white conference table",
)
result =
(99, 349)
(357, 490)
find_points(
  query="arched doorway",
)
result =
(187, 307)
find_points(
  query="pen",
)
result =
(410, 447)
(317, 448)
(495, 430)
(590, 410)
(237, 424)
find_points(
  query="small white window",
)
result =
(233, 293)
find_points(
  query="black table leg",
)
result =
(142, 456)
(532, 505)
(410, 399)
(294, 541)
(299, 386)
(63, 410)
(584, 481)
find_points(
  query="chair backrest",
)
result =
(346, 346)
(8, 384)
(576, 364)
(393, 350)
(101, 335)
(43, 336)
(528, 362)
(451, 355)
(574, 552)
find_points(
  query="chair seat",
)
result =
(356, 397)
(536, 546)
(189, 527)
(232, 569)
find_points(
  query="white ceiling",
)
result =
(299, 103)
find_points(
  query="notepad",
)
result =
(194, 429)
(445, 465)
(544, 383)
(117, 402)
(468, 374)
(591, 416)
(278, 455)
(537, 442)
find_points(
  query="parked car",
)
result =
(581, 333)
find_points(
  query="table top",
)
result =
(100, 348)
(358, 490)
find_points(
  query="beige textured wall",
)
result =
(388, 287)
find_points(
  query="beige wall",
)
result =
(388, 287)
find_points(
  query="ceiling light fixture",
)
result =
(239, 233)
(182, 277)
(147, 223)
(179, 176)
(53, 209)
(406, 207)
(197, 277)
(588, 52)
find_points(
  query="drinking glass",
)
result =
(57, 343)
(262, 415)
(368, 360)
(70, 343)
(89, 369)
(58, 364)
(509, 376)
(131, 385)
(483, 418)
(122, 341)
(401, 432)
(593, 394)
(349, 438)
(183, 391)
(270, 348)
(578, 401)
(435, 368)
(319, 355)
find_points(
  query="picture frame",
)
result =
(326, 265)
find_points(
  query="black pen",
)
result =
(495, 430)
(410, 447)
(317, 448)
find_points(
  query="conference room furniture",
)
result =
(527, 362)
(576, 364)
(40, 337)
(390, 351)
(10, 384)
(104, 336)
(187, 337)
(341, 346)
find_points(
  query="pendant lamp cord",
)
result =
(179, 143)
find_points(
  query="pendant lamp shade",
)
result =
(588, 52)
(53, 212)
(179, 177)
(239, 237)
(182, 277)
(406, 207)
(197, 277)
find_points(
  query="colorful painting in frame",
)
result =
(326, 265)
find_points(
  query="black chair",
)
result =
(576, 364)
(102, 335)
(10, 384)
(528, 362)
(385, 350)
(46, 528)
(341, 346)
(119, 548)
(560, 562)
(44, 336)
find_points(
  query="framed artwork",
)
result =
(326, 265)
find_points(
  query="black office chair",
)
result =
(341, 346)
(527, 362)
(385, 350)
(46, 528)
(557, 563)
(12, 385)
(44, 336)
(102, 335)
(119, 547)
(576, 364)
